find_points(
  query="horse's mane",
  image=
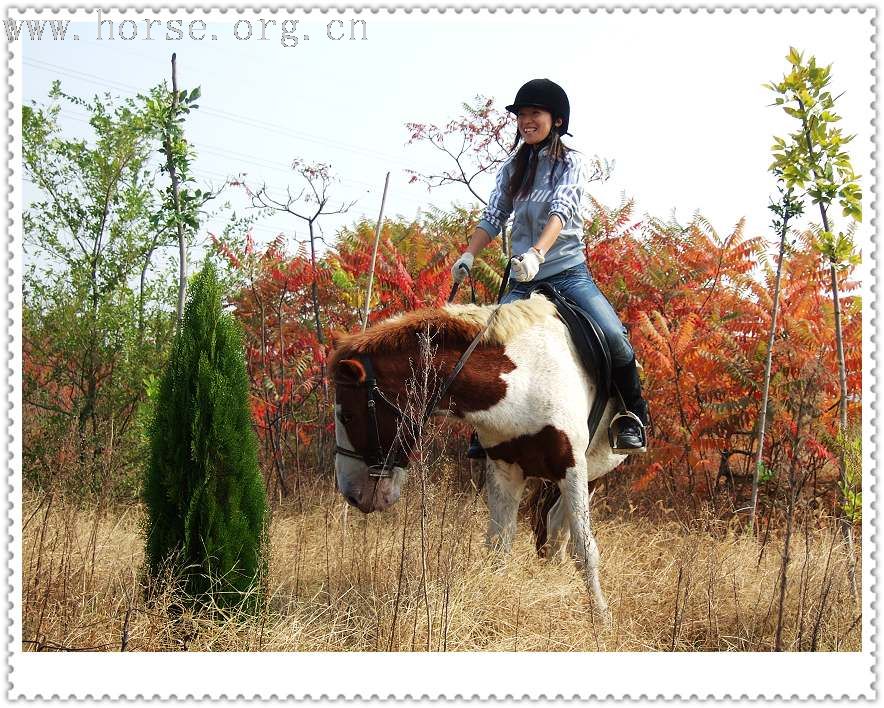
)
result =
(456, 323)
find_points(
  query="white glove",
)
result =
(462, 267)
(525, 267)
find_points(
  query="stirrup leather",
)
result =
(612, 438)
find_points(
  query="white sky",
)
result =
(676, 99)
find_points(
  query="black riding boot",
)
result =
(630, 436)
(475, 451)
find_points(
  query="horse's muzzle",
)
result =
(377, 495)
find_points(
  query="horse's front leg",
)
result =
(575, 491)
(505, 484)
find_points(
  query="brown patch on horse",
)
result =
(401, 332)
(546, 454)
(478, 387)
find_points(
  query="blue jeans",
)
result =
(577, 284)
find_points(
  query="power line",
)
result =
(259, 162)
(247, 121)
(218, 151)
(238, 118)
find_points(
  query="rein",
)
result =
(381, 465)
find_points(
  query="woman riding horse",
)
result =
(512, 373)
(542, 184)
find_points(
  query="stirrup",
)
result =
(612, 438)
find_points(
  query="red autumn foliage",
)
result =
(283, 354)
(697, 304)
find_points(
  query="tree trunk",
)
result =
(845, 524)
(762, 419)
(182, 251)
(314, 288)
(842, 367)
(374, 254)
(321, 405)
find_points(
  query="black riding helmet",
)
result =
(547, 94)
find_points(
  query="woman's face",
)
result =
(535, 124)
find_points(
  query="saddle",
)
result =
(592, 348)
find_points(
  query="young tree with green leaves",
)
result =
(87, 231)
(203, 490)
(814, 158)
(166, 112)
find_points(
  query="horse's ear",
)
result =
(352, 367)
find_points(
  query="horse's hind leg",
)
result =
(575, 491)
(505, 485)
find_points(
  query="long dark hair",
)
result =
(525, 162)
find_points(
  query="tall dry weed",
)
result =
(418, 578)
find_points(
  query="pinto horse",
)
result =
(522, 388)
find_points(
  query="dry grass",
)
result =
(418, 581)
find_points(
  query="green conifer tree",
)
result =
(204, 493)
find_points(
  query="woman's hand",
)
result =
(462, 267)
(525, 267)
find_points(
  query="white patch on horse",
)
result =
(575, 492)
(548, 386)
(510, 320)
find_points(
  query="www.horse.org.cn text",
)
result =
(286, 32)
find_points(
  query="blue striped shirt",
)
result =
(531, 213)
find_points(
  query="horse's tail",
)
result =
(540, 501)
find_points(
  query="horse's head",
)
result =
(370, 459)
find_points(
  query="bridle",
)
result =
(381, 464)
